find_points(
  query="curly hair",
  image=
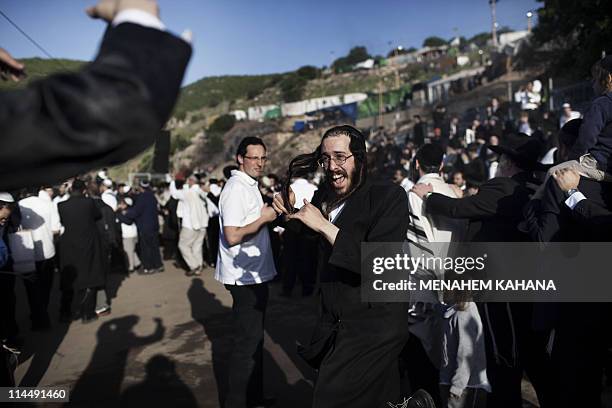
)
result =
(602, 74)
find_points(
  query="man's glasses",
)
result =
(262, 159)
(339, 159)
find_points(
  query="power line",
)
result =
(37, 45)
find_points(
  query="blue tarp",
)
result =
(299, 126)
(349, 110)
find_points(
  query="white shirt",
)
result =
(406, 184)
(425, 227)
(188, 197)
(335, 213)
(60, 198)
(109, 198)
(302, 189)
(251, 261)
(41, 217)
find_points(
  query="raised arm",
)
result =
(103, 115)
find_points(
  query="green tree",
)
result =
(570, 36)
(434, 41)
(356, 55)
(480, 39)
(292, 87)
(308, 72)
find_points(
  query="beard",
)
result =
(330, 176)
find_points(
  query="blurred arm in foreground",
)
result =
(103, 115)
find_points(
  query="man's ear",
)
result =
(240, 159)
(417, 165)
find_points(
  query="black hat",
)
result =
(522, 149)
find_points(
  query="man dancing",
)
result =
(356, 345)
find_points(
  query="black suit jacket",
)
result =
(494, 213)
(548, 219)
(596, 218)
(104, 114)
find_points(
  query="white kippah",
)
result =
(6, 197)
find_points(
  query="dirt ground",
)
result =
(167, 343)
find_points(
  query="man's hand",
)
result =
(311, 216)
(268, 213)
(279, 205)
(421, 189)
(566, 179)
(107, 9)
(10, 68)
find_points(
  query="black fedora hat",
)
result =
(524, 150)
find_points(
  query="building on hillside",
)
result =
(425, 54)
(259, 113)
(239, 115)
(367, 65)
(440, 89)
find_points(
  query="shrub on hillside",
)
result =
(222, 124)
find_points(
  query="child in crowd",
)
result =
(463, 374)
(590, 155)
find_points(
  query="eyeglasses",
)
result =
(263, 159)
(339, 159)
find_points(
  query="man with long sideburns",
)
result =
(356, 344)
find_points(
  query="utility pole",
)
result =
(493, 22)
(529, 16)
(397, 77)
(380, 105)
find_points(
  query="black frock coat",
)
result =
(82, 261)
(356, 345)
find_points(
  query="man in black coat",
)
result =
(356, 345)
(594, 219)
(581, 330)
(104, 114)
(82, 262)
(144, 213)
(419, 131)
(494, 214)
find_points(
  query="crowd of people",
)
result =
(509, 172)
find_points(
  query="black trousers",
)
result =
(578, 356)
(212, 237)
(417, 371)
(8, 324)
(299, 259)
(38, 288)
(149, 250)
(505, 370)
(88, 302)
(245, 382)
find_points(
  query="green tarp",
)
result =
(273, 113)
(370, 107)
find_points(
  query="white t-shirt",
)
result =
(251, 261)
(41, 217)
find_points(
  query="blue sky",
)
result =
(264, 36)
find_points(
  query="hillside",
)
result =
(210, 92)
(201, 102)
(37, 68)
